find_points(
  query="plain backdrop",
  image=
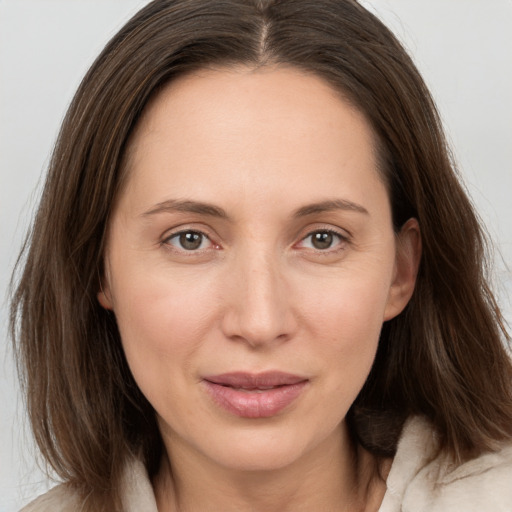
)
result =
(462, 47)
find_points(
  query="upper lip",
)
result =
(247, 380)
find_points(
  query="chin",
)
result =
(261, 458)
(268, 449)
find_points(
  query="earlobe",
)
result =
(104, 297)
(104, 300)
(408, 256)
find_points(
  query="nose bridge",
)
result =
(260, 310)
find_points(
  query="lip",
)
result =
(255, 395)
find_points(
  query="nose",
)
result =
(259, 304)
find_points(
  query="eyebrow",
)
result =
(188, 206)
(329, 205)
(180, 205)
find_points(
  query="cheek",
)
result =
(162, 322)
(350, 303)
(345, 317)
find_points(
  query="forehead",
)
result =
(216, 94)
(251, 127)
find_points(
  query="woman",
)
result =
(254, 281)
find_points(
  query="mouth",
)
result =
(250, 395)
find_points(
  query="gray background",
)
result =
(462, 47)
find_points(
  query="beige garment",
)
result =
(414, 484)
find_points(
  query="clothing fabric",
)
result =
(417, 482)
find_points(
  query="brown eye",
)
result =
(188, 240)
(322, 240)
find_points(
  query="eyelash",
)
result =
(342, 239)
(204, 236)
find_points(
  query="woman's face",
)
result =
(251, 262)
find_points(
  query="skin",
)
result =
(258, 293)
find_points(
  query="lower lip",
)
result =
(253, 404)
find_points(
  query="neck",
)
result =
(334, 477)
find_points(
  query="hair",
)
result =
(443, 357)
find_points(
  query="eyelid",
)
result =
(179, 230)
(343, 235)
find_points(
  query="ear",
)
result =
(407, 262)
(104, 296)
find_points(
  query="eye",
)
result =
(189, 240)
(322, 240)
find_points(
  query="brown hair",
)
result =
(444, 357)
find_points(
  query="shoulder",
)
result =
(418, 483)
(483, 483)
(61, 498)
(136, 493)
